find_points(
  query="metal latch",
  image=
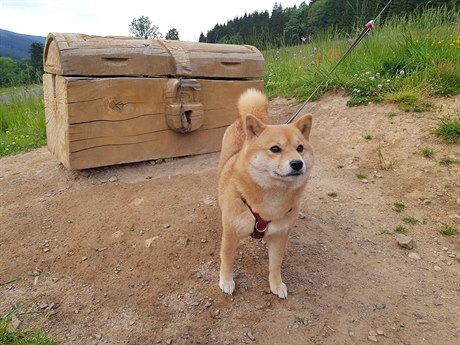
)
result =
(184, 108)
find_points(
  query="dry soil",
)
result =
(129, 254)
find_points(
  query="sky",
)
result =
(112, 17)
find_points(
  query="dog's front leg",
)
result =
(227, 257)
(276, 247)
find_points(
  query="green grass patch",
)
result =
(400, 229)
(427, 152)
(22, 336)
(404, 60)
(448, 230)
(22, 121)
(449, 130)
(361, 176)
(410, 220)
(398, 207)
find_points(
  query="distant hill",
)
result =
(17, 46)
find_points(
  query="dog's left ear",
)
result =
(304, 125)
(253, 126)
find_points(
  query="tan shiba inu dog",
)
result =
(263, 170)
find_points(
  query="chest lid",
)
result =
(72, 54)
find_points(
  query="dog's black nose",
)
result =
(296, 164)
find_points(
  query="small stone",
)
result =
(148, 242)
(250, 336)
(84, 258)
(169, 342)
(380, 306)
(372, 332)
(422, 321)
(364, 181)
(414, 256)
(351, 333)
(101, 249)
(113, 179)
(14, 324)
(437, 268)
(405, 241)
(166, 226)
(302, 215)
(372, 338)
(380, 332)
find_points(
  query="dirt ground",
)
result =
(129, 254)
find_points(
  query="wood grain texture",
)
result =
(73, 54)
(103, 121)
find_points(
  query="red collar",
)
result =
(260, 225)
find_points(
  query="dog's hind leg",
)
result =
(227, 257)
(276, 248)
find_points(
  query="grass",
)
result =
(404, 60)
(22, 120)
(449, 130)
(448, 230)
(400, 229)
(427, 152)
(361, 176)
(398, 207)
(22, 336)
(410, 220)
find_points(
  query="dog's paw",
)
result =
(279, 290)
(227, 286)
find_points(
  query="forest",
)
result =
(296, 25)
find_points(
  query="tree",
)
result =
(172, 34)
(36, 55)
(143, 27)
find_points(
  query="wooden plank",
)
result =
(57, 125)
(102, 121)
(85, 55)
(161, 145)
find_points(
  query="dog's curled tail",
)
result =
(253, 102)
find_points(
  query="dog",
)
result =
(263, 171)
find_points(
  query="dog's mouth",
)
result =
(292, 173)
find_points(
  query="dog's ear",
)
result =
(304, 125)
(253, 126)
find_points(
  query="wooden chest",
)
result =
(112, 100)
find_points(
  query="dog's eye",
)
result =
(275, 149)
(300, 148)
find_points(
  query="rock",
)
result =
(250, 336)
(166, 226)
(372, 332)
(437, 268)
(148, 242)
(372, 338)
(113, 179)
(414, 256)
(14, 324)
(405, 241)
(380, 306)
(379, 332)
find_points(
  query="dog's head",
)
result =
(278, 153)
